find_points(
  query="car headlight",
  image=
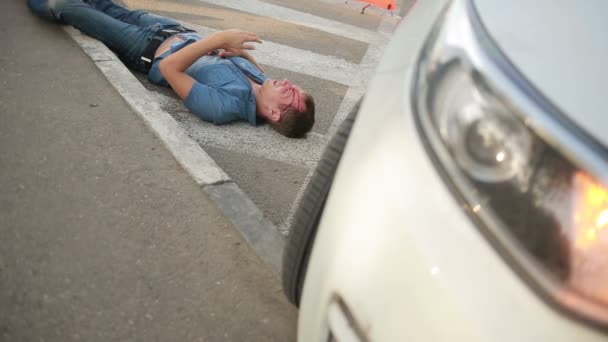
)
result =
(527, 176)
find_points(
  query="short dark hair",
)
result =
(295, 124)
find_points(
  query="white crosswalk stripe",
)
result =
(299, 18)
(306, 62)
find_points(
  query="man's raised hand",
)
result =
(238, 40)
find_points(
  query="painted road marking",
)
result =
(306, 62)
(298, 18)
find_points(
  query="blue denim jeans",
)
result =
(125, 32)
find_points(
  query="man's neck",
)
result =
(255, 87)
(256, 90)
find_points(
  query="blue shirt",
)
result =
(222, 92)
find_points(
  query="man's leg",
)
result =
(127, 40)
(43, 9)
(135, 17)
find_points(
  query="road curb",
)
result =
(259, 232)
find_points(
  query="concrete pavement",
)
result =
(103, 235)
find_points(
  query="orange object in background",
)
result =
(388, 4)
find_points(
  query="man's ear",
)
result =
(275, 115)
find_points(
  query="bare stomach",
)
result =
(166, 45)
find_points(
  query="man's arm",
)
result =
(173, 67)
(241, 53)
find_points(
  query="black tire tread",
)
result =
(306, 217)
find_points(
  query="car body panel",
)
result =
(560, 46)
(396, 246)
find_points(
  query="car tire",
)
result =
(304, 227)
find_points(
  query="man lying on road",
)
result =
(215, 76)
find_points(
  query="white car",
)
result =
(469, 202)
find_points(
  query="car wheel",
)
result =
(304, 227)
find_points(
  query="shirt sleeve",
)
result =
(207, 103)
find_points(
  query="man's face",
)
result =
(283, 95)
